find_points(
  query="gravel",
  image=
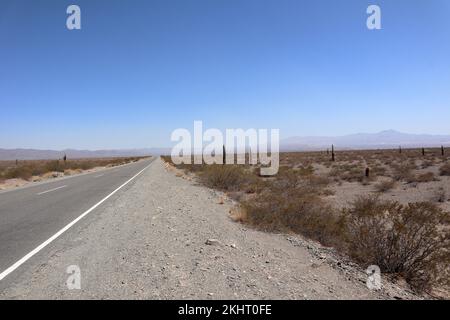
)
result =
(165, 237)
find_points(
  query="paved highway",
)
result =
(33, 216)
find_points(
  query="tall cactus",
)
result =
(224, 155)
(442, 151)
(332, 153)
(423, 151)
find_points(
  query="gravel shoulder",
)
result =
(150, 242)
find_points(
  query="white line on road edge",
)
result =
(51, 190)
(60, 232)
(100, 175)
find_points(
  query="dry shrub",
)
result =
(427, 163)
(299, 210)
(318, 181)
(402, 173)
(252, 183)
(23, 172)
(405, 240)
(440, 195)
(425, 177)
(55, 165)
(26, 169)
(167, 159)
(378, 170)
(445, 169)
(223, 177)
(385, 185)
(349, 173)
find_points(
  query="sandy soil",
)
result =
(435, 191)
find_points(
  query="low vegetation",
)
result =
(26, 169)
(425, 177)
(406, 240)
(445, 169)
(385, 185)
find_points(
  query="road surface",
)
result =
(33, 216)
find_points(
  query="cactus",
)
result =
(423, 151)
(65, 158)
(442, 151)
(400, 149)
(332, 153)
(224, 154)
(367, 172)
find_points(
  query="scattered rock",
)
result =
(212, 242)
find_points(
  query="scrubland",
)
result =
(377, 207)
(22, 171)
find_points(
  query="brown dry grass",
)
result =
(26, 169)
(385, 185)
(411, 240)
(445, 169)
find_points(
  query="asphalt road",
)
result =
(32, 215)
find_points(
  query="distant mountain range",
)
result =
(382, 140)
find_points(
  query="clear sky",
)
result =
(137, 70)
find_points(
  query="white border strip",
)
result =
(60, 232)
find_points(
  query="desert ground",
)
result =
(225, 232)
(375, 207)
(168, 237)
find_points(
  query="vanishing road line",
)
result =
(54, 189)
(100, 175)
(67, 227)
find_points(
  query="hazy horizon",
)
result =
(284, 142)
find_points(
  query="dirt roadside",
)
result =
(165, 237)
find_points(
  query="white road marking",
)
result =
(60, 232)
(100, 175)
(51, 190)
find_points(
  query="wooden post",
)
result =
(442, 151)
(400, 149)
(423, 151)
(332, 153)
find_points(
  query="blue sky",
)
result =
(137, 70)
